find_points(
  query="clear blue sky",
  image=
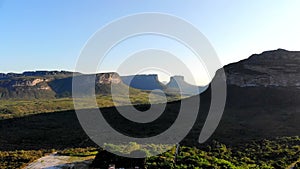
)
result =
(49, 34)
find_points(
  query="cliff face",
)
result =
(263, 96)
(271, 68)
(53, 84)
(175, 81)
(278, 68)
(31, 82)
(108, 78)
(103, 82)
(178, 84)
(144, 82)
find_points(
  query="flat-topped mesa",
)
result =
(108, 78)
(175, 81)
(144, 82)
(272, 68)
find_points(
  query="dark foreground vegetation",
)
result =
(278, 153)
(19, 158)
(27, 138)
(252, 136)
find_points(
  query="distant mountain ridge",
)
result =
(255, 108)
(36, 73)
(176, 85)
(58, 84)
(52, 84)
(144, 82)
(277, 68)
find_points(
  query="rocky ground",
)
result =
(54, 161)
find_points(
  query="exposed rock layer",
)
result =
(271, 68)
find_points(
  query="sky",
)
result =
(50, 34)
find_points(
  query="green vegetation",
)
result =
(79, 152)
(23, 139)
(148, 149)
(19, 158)
(35, 132)
(279, 153)
(18, 108)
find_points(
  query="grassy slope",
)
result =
(29, 128)
(17, 108)
(61, 130)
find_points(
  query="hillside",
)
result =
(263, 97)
(54, 84)
(262, 108)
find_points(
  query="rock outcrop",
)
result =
(52, 84)
(263, 97)
(271, 68)
(32, 82)
(108, 78)
(144, 82)
(178, 84)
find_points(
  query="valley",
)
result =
(259, 128)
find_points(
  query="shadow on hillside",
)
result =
(57, 130)
(250, 114)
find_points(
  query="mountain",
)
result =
(144, 82)
(38, 73)
(102, 82)
(176, 85)
(263, 96)
(53, 84)
(58, 84)
(279, 68)
(262, 102)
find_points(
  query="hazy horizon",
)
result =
(162, 77)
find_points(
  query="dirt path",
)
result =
(54, 161)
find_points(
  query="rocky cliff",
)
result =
(263, 97)
(272, 68)
(144, 82)
(57, 84)
(254, 109)
(52, 84)
(108, 78)
(178, 84)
